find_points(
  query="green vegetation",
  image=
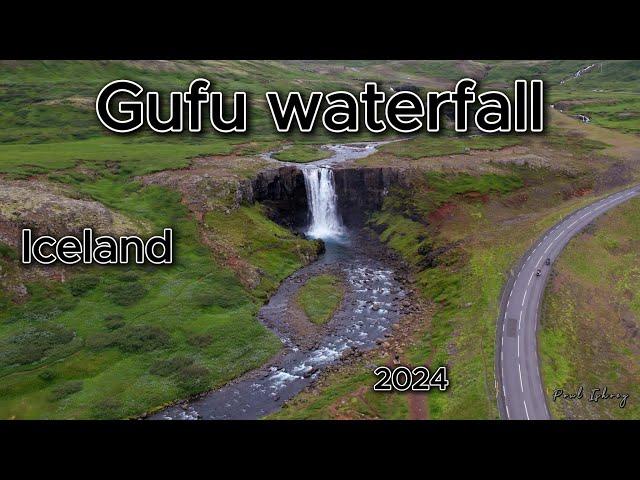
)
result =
(48, 119)
(302, 154)
(268, 251)
(106, 327)
(65, 389)
(8, 252)
(443, 187)
(136, 158)
(320, 296)
(81, 284)
(436, 145)
(460, 265)
(620, 110)
(608, 95)
(115, 342)
(433, 189)
(348, 394)
(452, 277)
(49, 123)
(609, 75)
(465, 283)
(552, 71)
(590, 313)
(576, 144)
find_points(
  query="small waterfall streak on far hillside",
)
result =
(323, 205)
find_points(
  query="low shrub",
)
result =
(98, 341)
(81, 284)
(114, 321)
(193, 378)
(204, 299)
(227, 296)
(200, 340)
(32, 344)
(46, 302)
(8, 252)
(126, 294)
(46, 376)
(128, 277)
(164, 368)
(141, 338)
(131, 339)
(109, 408)
(66, 389)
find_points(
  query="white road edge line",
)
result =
(520, 374)
(611, 201)
(520, 320)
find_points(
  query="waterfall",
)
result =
(322, 201)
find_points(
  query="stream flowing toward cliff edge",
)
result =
(371, 305)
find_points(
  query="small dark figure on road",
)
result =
(547, 261)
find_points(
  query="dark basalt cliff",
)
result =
(362, 190)
(359, 191)
(283, 191)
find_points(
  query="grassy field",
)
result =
(464, 282)
(433, 146)
(346, 394)
(302, 154)
(590, 317)
(116, 342)
(608, 95)
(48, 120)
(135, 158)
(319, 297)
(461, 233)
(617, 110)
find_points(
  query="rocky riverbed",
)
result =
(375, 300)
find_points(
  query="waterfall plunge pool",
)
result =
(372, 304)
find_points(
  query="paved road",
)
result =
(520, 391)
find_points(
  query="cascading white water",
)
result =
(322, 202)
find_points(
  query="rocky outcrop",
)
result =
(359, 191)
(47, 209)
(362, 190)
(283, 191)
(206, 185)
(210, 183)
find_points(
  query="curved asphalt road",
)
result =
(518, 382)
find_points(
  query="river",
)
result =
(371, 305)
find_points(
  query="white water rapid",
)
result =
(322, 201)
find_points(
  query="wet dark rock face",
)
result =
(362, 190)
(359, 191)
(282, 190)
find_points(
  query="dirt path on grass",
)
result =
(418, 407)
